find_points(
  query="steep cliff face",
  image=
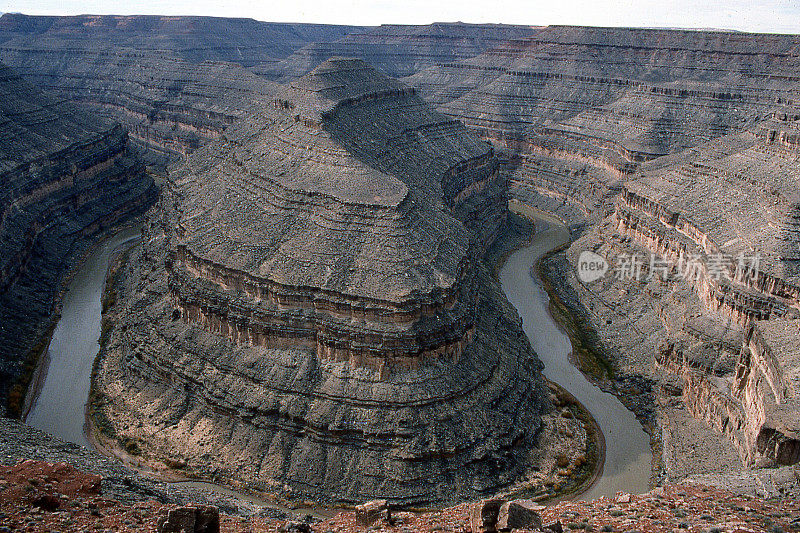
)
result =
(729, 211)
(177, 82)
(170, 107)
(67, 176)
(311, 310)
(682, 145)
(193, 39)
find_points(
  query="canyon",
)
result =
(311, 310)
(177, 82)
(67, 178)
(676, 149)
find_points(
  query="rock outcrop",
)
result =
(729, 212)
(664, 509)
(68, 177)
(311, 309)
(580, 106)
(682, 145)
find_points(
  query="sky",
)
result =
(772, 16)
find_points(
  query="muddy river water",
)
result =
(628, 456)
(60, 405)
(59, 408)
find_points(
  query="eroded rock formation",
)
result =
(177, 82)
(679, 143)
(682, 145)
(161, 77)
(399, 50)
(729, 211)
(598, 102)
(312, 309)
(67, 176)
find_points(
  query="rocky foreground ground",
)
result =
(48, 497)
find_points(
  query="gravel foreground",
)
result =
(38, 496)
(47, 485)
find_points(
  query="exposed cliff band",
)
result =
(67, 177)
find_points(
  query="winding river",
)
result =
(628, 456)
(60, 405)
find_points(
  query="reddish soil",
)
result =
(43, 497)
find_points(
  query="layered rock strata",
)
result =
(712, 299)
(399, 50)
(311, 308)
(730, 213)
(678, 144)
(67, 176)
(174, 82)
(177, 82)
(612, 98)
(246, 42)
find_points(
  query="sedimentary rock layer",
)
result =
(177, 82)
(174, 82)
(193, 39)
(168, 105)
(399, 50)
(730, 211)
(713, 298)
(67, 177)
(677, 143)
(316, 311)
(615, 97)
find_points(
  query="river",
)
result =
(60, 406)
(628, 455)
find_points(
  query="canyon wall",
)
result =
(193, 39)
(177, 82)
(173, 82)
(730, 213)
(311, 309)
(399, 50)
(681, 144)
(611, 99)
(67, 177)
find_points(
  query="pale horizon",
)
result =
(769, 16)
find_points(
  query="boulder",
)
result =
(519, 514)
(370, 512)
(202, 519)
(296, 527)
(555, 527)
(483, 515)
